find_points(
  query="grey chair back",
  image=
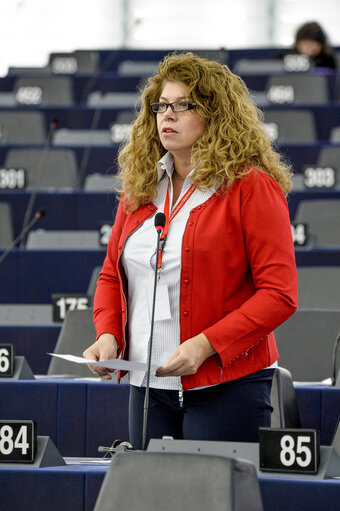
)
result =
(307, 88)
(77, 334)
(329, 156)
(165, 481)
(323, 219)
(44, 91)
(49, 168)
(295, 126)
(319, 287)
(306, 342)
(22, 128)
(77, 62)
(334, 136)
(285, 412)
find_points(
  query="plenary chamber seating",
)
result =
(165, 481)
(77, 334)
(45, 168)
(329, 156)
(44, 91)
(18, 127)
(322, 218)
(306, 343)
(72, 63)
(290, 126)
(298, 89)
(319, 287)
(334, 136)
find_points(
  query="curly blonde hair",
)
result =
(233, 142)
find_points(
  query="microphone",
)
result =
(38, 215)
(160, 220)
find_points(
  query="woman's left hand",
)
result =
(188, 357)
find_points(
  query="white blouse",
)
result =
(138, 259)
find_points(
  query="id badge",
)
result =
(162, 303)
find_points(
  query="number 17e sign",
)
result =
(61, 304)
(289, 450)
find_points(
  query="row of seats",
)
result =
(46, 167)
(308, 327)
(283, 88)
(319, 288)
(315, 225)
(65, 125)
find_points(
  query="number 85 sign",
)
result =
(289, 450)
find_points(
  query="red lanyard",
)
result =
(170, 216)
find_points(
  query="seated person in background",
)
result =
(312, 41)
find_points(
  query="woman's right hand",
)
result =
(105, 348)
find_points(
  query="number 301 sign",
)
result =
(17, 441)
(289, 450)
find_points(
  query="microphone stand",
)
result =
(34, 220)
(147, 387)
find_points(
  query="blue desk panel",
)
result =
(32, 342)
(75, 488)
(77, 415)
(299, 495)
(319, 408)
(76, 210)
(86, 211)
(106, 415)
(33, 276)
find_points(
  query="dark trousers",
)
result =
(231, 411)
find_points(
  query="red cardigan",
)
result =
(238, 279)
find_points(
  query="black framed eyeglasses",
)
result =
(176, 106)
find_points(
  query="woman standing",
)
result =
(198, 153)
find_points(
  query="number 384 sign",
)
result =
(289, 450)
(17, 441)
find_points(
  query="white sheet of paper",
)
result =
(117, 363)
(162, 304)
